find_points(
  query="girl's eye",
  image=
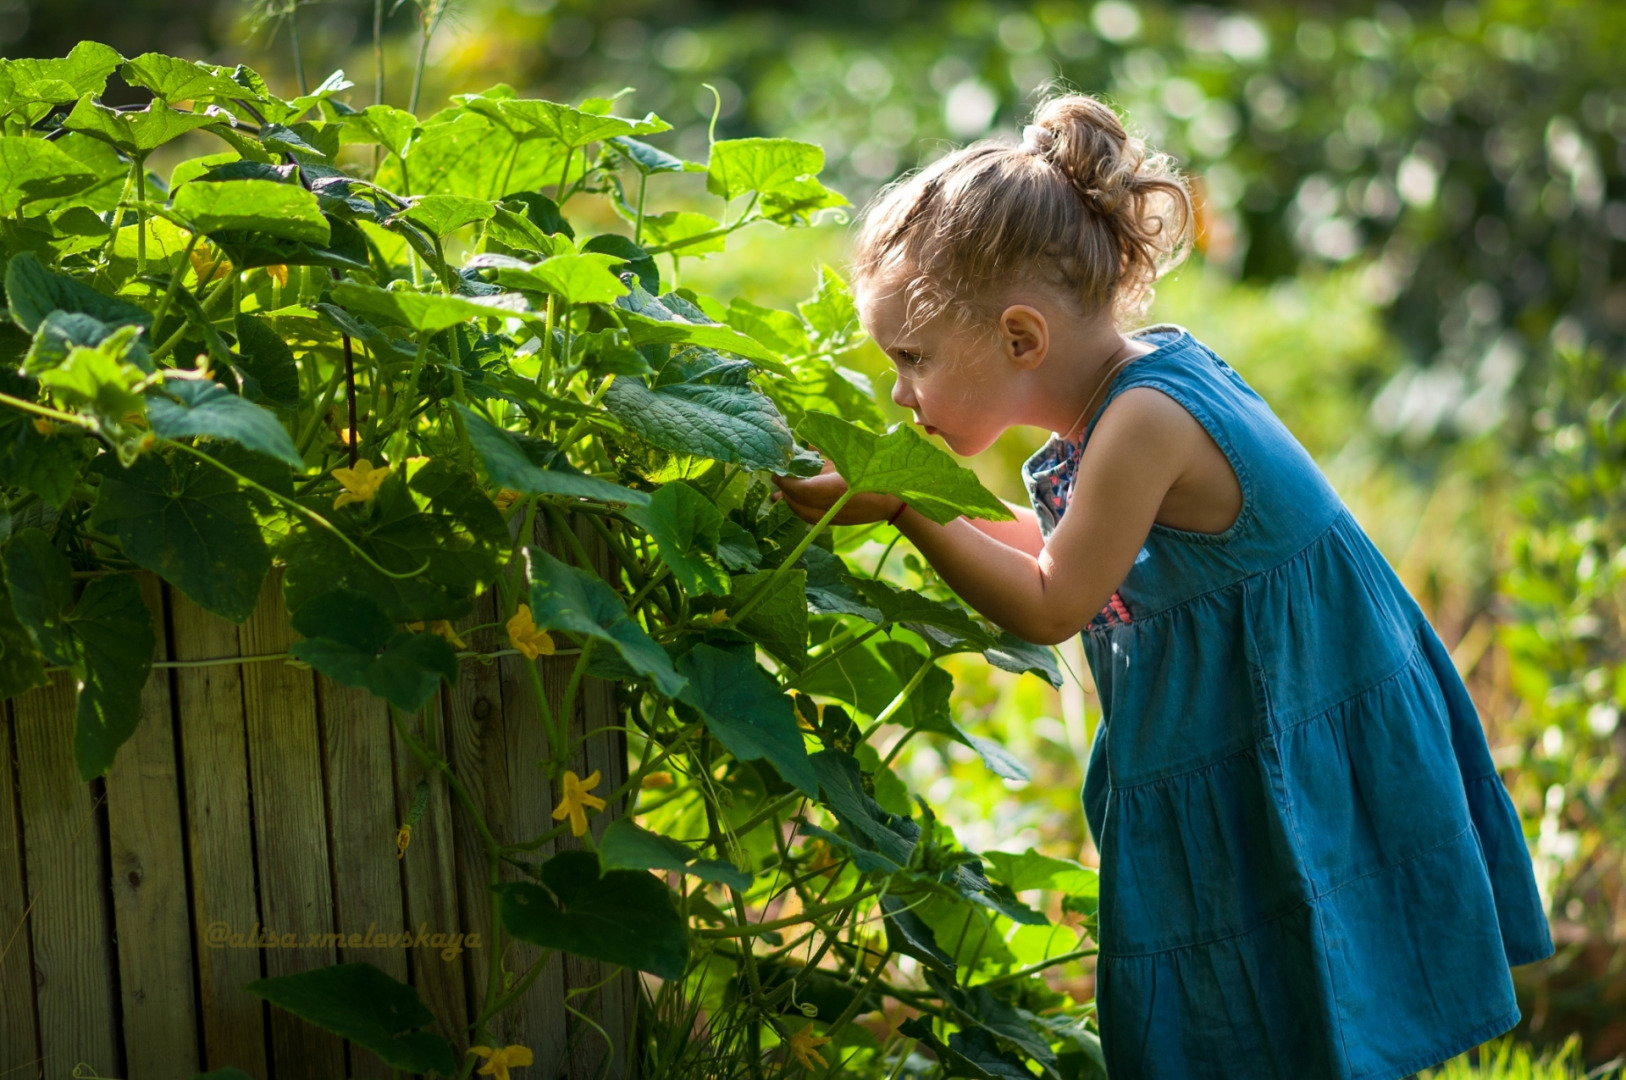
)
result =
(908, 359)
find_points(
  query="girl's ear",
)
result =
(1024, 335)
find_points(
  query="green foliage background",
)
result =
(1414, 220)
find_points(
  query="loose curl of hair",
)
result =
(1081, 206)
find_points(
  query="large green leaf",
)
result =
(625, 917)
(778, 621)
(1035, 870)
(365, 1005)
(46, 461)
(576, 278)
(21, 666)
(687, 526)
(284, 211)
(40, 83)
(734, 423)
(33, 169)
(654, 320)
(173, 79)
(747, 712)
(901, 463)
(189, 406)
(739, 166)
(562, 124)
(138, 132)
(566, 598)
(532, 466)
(461, 153)
(627, 847)
(191, 524)
(423, 312)
(348, 639)
(33, 292)
(385, 125)
(443, 215)
(100, 382)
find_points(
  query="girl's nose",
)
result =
(902, 394)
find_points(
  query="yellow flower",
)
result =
(45, 425)
(823, 859)
(279, 274)
(802, 1044)
(403, 837)
(576, 800)
(360, 483)
(505, 498)
(440, 628)
(498, 1062)
(206, 255)
(524, 635)
(660, 778)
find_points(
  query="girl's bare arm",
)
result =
(1139, 448)
(1022, 534)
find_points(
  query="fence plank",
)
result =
(19, 1042)
(63, 854)
(220, 841)
(290, 829)
(360, 776)
(430, 869)
(149, 881)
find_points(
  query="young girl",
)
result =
(1309, 867)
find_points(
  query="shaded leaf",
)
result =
(686, 526)
(189, 523)
(21, 666)
(722, 422)
(779, 621)
(187, 407)
(370, 1008)
(625, 846)
(566, 598)
(625, 917)
(33, 169)
(349, 639)
(269, 360)
(747, 712)
(532, 466)
(114, 634)
(33, 292)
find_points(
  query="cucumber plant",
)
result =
(375, 350)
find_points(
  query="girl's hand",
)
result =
(811, 497)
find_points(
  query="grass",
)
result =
(1505, 1059)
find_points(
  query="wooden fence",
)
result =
(258, 796)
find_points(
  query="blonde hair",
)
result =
(1081, 205)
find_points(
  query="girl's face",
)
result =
(958, 384)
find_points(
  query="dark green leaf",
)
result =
(627, 847)
(685, 524)
(115, 636)
(34, 292)
(188, 407)
(830, 588)
(41, 584)
(45, 462)
(566, 598)
(901, 463)
(228, 1073)
(639, 261)
(363, 1004)
(909, 934)
(747, 712)
(269, 360)
(726, 423)
(649, 159)
(1013, 654)
(349, 639)
(533, 467)
(779, 620)
(625, 917)
(191, 524)
(21, 666)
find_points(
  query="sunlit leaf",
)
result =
(738, 166)
(286, 211)
(32, 170)
(137, 132)
(901, 463)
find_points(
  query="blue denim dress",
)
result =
(1309, 867)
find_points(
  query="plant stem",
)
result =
(423, 52)
(755, 929)
(141, 215)
(897, 703)
(293, 40)
(378, 52)
(765, 590)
